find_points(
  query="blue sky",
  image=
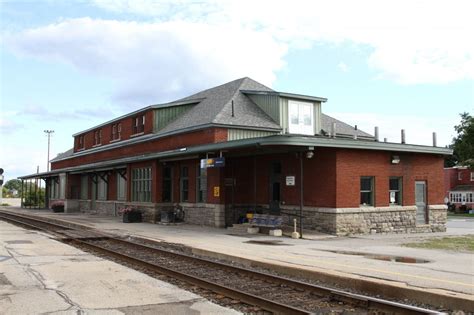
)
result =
(69, 65)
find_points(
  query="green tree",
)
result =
(13, 184)
(463, 143)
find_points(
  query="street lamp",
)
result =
(48, 132)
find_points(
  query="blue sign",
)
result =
(214, 162)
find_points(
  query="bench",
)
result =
(266, 220)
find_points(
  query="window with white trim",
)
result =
(472, 176)
(98, 137)
(138, 124)
(141, 184)
(395, 190)
(461, 197)
(367, 191)
(121, 187)
(300, 118)
(101, 188)
(116, 131)
(459, 175)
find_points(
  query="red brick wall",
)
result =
(127, 131)
(210, 135)
(319, 178)
(73, 186)
(352, 164)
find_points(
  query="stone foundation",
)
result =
(200, 213)
(365, 220)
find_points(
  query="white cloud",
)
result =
(8, 126)
(155, 61)
(412, 42)
(16, 161)
(343, 67)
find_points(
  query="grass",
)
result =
(4, 204)
(467, 215)
(455, 243)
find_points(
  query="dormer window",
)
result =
(138, 124)
(116, 131)
(98, 137)
(300, 118)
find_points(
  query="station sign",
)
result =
(214, 162)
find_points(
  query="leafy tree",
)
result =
(463, 143)
(13, 184)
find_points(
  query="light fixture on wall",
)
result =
(309, 154)
(395, 159)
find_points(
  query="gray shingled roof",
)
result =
(63, 155)
(216, 108)
(341, 127)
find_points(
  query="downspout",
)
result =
(255, 184)
(301, 195)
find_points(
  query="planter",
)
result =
(58, 209)
(132, 217)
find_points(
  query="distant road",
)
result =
(15, 202)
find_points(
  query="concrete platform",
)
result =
(449, 274)
(39, 275)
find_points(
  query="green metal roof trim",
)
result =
(170, 104)
(277, 140)
(287, 95)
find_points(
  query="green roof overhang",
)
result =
(276, 140)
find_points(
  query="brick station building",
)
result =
(280, 155)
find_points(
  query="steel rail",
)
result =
(338, 295)
(278, 308)
(275, 307)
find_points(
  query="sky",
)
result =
(69, 65)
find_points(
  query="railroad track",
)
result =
(276, 294)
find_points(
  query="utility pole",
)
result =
(48, 132)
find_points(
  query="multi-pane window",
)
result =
(54, 188)
(461, 197)
(167, 184)
(184, 183)
(98, 137)
(101, 188)
(121, 187)
(367, 191)
(395, 190)
(201, 184)
(300, 118)
(116, 131)
(138, 124)
(84, 187)
(141, 184)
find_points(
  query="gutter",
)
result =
(276, 140)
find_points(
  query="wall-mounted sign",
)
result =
(214, 162)
(217, 191)
(290, 181)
